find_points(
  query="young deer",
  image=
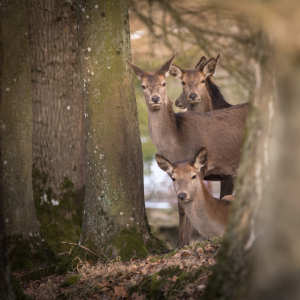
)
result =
(208, 214)
(179, 136)
(181, 101)
(202, 95)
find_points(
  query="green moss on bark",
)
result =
(129, 243)
(70, 263)
(60, 222)
(29, 253)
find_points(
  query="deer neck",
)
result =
(162, 128)
(217, 99)
(207, 214)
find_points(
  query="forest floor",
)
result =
(181, 274)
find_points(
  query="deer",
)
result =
(178, 136)
(207, 214)
(200, 94)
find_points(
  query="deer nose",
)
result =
(193, 96)
(181, 196)
(178, 104)
(155, 99)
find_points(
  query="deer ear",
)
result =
(209, 68)
(139, 72)
(181, 101)
(164, 164)
(165, 68)
(175, 71)
(201, 63)
(217, 62)
(200, 159)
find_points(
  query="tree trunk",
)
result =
(260, 257)
(58, 143)
(114, 218)
(58, 139)
(5, 284)
(26, 245)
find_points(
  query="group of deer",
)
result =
(202, 143)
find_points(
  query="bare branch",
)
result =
(81, 247)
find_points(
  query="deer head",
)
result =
(193, 81)
(187, 176)
(154, 84)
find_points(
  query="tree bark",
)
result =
(58, 140)
(25, 243)
(114, 215)
(260, 256)
(5, 284)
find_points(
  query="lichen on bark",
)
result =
(21, 224)
(114, 199)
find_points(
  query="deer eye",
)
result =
(202, 81)
(164, 84)
(183, 83)
(143, 87)
(173, 179)
(194, 177)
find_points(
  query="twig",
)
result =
(47, 10)
(63, 253)
(80, 247)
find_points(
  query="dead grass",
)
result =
(121, 280)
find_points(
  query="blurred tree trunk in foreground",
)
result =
(26, 246)
(114, 218)
(260, 258)
(5, 283)
(58, 140)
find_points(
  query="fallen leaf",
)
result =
(102, 285)
(120, 291)
(185, 253)
(145, 271)
(201, 287)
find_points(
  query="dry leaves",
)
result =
(111, 280)
(120, 292)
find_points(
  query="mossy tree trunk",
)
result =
(26, 245)
(5, 283)
(114, 218)
(260, 257)
(58, 138)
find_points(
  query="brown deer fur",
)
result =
(208, 214)
(200, 82)
(178, 136)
